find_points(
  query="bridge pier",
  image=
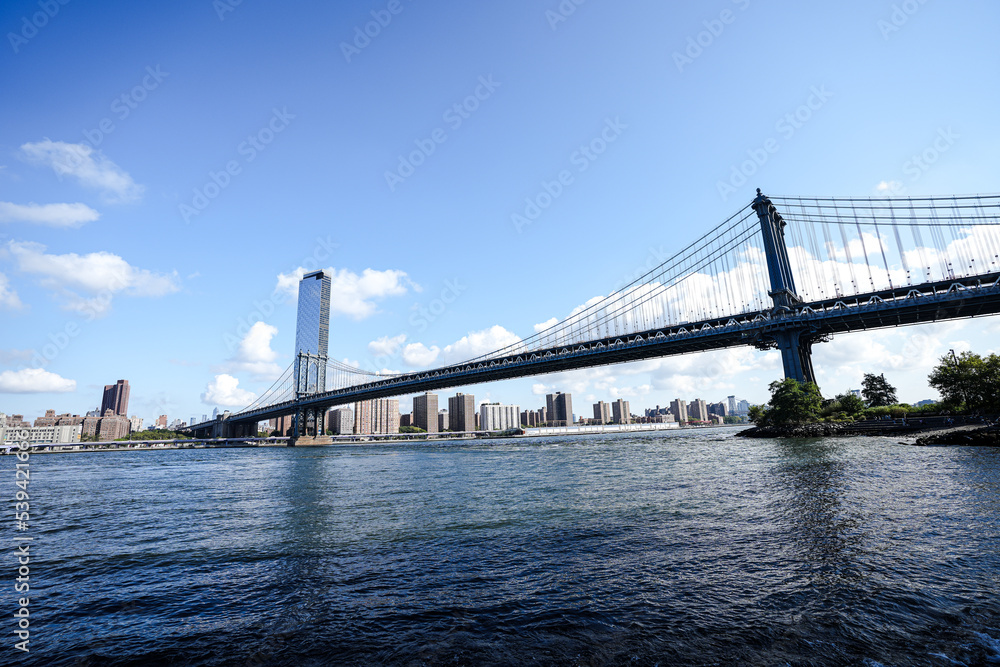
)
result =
(795, 344)
(796, 354)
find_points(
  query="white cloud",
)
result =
(385, 345)
(88, 166)
(351, 294)
(224, 390)
(478, 343)
(255, 355)
(8, 297)
(53, 215)
(542, 326)
(34, 381)
(101, 274)
(419, 355)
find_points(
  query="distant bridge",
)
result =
(771, 279)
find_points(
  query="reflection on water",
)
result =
(680, 548)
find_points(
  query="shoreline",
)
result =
(924, 434)
(83, 448)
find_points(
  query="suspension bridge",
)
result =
(782, 273)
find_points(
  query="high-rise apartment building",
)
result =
(697, 410)
(678, 408)
(602, 412)
(462, 412)
(115, 398)
(425, 410)
(620, 412)
(377, 416)
(363, 418)
(341, 421)
(443, 421)
(112, 426)
(497, 417)
(135, 423)
(718, 409)
(312, 331)
(559, 409)
(385, 414)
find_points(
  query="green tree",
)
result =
(850, 403)
(792, 402)
(969, 380)
(877, 391)
(411, 429)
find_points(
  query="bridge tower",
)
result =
(310, 378)
(795, 342)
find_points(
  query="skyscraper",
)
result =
(312, 331)
(341, 421)
(559, 409)
(697, 410)
(425, 411)
(462, 412)
(620, 411)
(115, 398)
(379, 415)
(679, 410)
(497, 417)
(602, 412)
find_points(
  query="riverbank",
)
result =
(930, 434)
(973, 436)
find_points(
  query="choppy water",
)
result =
(680, 548)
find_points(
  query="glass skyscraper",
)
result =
(312, 331)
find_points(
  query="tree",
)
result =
(850, 403)
(969, 380)
(877, 391)
(792, 402)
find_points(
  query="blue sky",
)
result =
(166, 172)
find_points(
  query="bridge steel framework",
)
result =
(818, 320)
(792, 325)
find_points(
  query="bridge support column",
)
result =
(796, 355)
(795, 345)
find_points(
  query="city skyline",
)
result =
(122, 203)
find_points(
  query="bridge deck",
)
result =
(929, 302)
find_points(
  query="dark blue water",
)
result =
(679, 548)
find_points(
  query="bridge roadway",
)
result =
(929, 302)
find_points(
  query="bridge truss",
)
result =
(781, 273)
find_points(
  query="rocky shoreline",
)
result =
(972, 435)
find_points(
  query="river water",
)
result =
(692, 547)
